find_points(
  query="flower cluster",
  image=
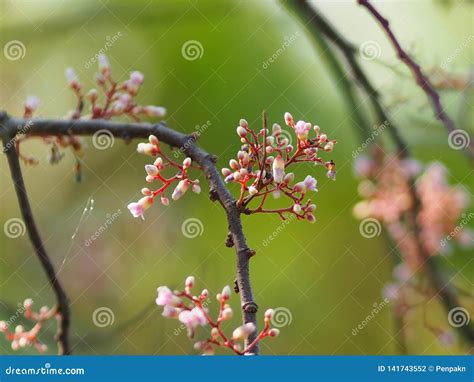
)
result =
(155, 173)
(110, 99)
(261, 166)
(21, 338)
(190, 310)
(386, 191)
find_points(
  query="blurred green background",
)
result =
(326, 275)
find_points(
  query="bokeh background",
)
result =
(326, 276)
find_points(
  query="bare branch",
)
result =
(421, 79)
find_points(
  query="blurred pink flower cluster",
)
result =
(261, 166)
(385, 187)
(21, 338)
(155, 173)
(191, 311)
(387, 197)
(113, 99)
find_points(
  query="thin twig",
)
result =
(128, 131)
(421, 79)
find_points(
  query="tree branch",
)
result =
(421, 79)
(62, 335)
(319, 24)
(128, 131)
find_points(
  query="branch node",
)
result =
(236, 286)
(250, 307)
(229, 242)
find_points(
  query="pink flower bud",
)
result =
(104, 66)
(273, 332)
(189, 282)
(269, 314)
(297, 208)
(93, 94)
(149, 179)
(165, 201)
(227, 314)
(323, 138)
(234, 164)
(242, 332)
(136, 78)
(28, 303)
(159, 163)
(147, 149)
(226, 172)
(204, 293)
(180, 189)
(289, 119)
(278, 169)
(215, 333)
(276, 129)
(3, 326)
(225, 295)
(196, 188)
(316, 129)
(153, 140)
(151, 170)
(187, 163)
(72, 78)
(154, 111)
(31, 103)
(243, 123)
(241, 131)
(329, 146)
(252, 190)
(146, 191)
